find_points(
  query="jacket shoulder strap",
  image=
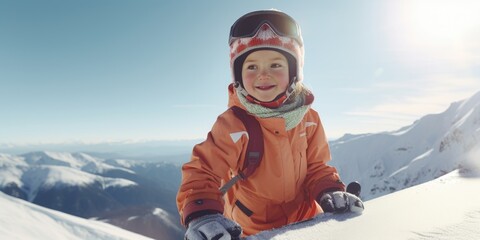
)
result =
(254, 153)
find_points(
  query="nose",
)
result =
(263, 75)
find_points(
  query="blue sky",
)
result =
(113, 70)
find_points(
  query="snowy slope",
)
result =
(23, 220)
(434, 145)
(445, 208)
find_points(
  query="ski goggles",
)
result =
(250, 23)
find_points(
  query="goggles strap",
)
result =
(282, 24)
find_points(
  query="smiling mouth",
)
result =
(265, 87)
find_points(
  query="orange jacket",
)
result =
(282, 190)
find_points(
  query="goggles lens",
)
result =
(280, 22)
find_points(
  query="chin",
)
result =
(265, 100)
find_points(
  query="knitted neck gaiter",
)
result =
(292, 111)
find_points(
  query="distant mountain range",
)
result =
(138, 196)
(432, 146)
(173, 151)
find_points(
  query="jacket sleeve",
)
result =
(210, 163)
(320, 176)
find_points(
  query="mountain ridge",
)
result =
(427, 149)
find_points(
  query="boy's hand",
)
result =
(339, 202)
(213, 226)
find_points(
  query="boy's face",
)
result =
(265, 74)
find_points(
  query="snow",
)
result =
(117, 182)
(79, 161)
(432, 146)
(65, 175)
(11, 169)
(53, 158)
(23, 220)
(445, 208)
(42, 177)
(38, 170)
(162, 214)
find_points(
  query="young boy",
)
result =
(293, 178)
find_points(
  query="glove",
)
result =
(213, 227)
(339, 202)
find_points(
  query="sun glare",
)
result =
(435, 30)
(441, 22)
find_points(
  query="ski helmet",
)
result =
(266, 30)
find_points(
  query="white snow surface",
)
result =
(445, 208)
(26, 221)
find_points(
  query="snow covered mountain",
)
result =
(432, 146)
(443, 209)
(39, 171)
(20, 219)
(121, 192)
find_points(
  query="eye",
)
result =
(276, 65)
(252, 67)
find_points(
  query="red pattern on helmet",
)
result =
(241, 47)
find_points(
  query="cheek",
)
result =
(282, 77)
(248, 77)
